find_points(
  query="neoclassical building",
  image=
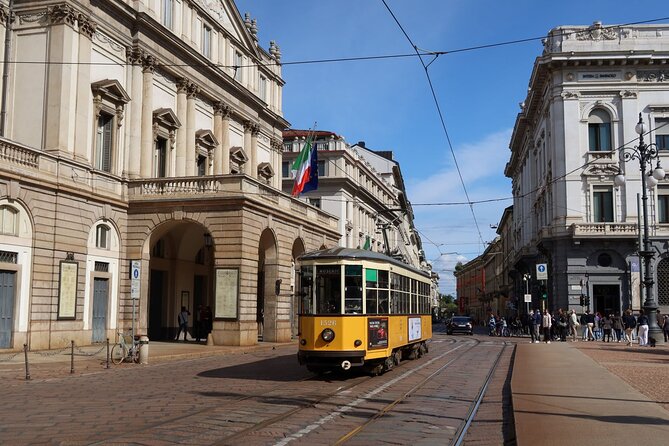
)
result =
(586, 93)
(141, 151)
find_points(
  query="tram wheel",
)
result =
(397, 356)
(388, 364)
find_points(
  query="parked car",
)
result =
(460, 324)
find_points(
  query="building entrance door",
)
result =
(606, 299)
(100, 299)
(7, 281)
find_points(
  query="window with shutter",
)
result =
(103, 158)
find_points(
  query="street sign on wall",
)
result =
(542, 271)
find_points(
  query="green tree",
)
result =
(447, 305)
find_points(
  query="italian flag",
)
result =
(305, 169)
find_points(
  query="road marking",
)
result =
(343, 409)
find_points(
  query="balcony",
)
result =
(615, 230)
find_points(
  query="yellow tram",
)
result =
(360, 308)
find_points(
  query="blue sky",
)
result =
(388, 104)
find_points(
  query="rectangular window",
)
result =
(160, 158)
(206, 41)
(353, 289)
(262, 88)
(315, 202)
(285, 169)
(663, 205)
(321, 168)
(237, 66)
(307, 288)
(201, 165)
(328, 289)
(102, 237)
(602, 204)
(599, 135)
(103, 143)
(662, 134)
(166, 13)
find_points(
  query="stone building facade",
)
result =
(146, 132)
(586, 93)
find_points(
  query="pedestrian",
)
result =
(546, 323)
(598, 326)
(642, 328)
(629, 323)
(183, 323)
(536, 325)
(618, 327)
(584, 324)
(665, 327)
(198, 326)
(607, 326)
(573, 325)
(590, 324)
(563, 325)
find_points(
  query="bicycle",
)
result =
(127, 349)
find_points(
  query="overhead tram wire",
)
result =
(441, 115)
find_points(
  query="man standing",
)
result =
(642, 328)
(535, 319)
(546, 323)
(573, 325)
(665, 327)
(590, 323)
(629, 323)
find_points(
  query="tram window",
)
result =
(371, 301)
(394, 301)
(306, 290)
(328, 291)
(353, 289)
(371, 277)
(383, 301)
(383, 279)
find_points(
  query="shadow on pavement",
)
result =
(265, 369)
(617, 419)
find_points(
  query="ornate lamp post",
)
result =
(646, 153)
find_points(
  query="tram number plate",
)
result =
(328, 323)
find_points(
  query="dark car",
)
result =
(460, 324)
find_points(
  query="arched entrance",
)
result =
(180, 271)
(268, 287)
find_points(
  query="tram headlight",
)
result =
(328, 335)
(303, 342)
(357, 343)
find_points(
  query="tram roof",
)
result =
(358, 254)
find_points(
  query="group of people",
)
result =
(202, 325)
(560, 325)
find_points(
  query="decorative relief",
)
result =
(64, 13)
(607, 170)
(108, 41)
(187, 86)
(628, 94)
(570, 95)
(133, 55)
(4, 14)
(223, 109)
(597, 32)
(148, 63)
(41, 16)
(87, 26)
(653, 75)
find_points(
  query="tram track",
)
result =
(462, 429)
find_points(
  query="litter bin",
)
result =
(143, 349)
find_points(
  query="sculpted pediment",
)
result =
(601, 170)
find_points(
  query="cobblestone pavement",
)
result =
(644, 368)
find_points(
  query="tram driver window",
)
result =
(307, 281)
(328, 291)
(353, 289)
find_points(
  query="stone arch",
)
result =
(610, 109)
(17, 244)
(268, 289)
(177, 270)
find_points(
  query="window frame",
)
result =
(104, 145)
(207, 34)
(600, 135)
(167, 20)
(102, 236)
(14, 214)
(599, 209)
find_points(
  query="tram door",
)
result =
(100, 303)
(7, 285)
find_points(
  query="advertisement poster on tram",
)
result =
(377, 332)
(415, 329)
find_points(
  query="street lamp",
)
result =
(526, 279)
(646, 154)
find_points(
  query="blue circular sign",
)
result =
(541, 268)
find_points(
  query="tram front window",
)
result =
(306, 294)
(328, 291)
(353, 289)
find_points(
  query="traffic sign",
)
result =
(528, 298)
(135, 269)
(542, 271)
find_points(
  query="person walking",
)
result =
(573, 325)
(607, 326)
(183, 323)
(546, 323)
(665, 327)
(536, 326)
(642, 328)
(629, 324)
(563, 325)
(590, 324)
(618, 327)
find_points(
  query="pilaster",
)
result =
(182, 114)
(148, 67)
(222, 133)
(191, 95)
(133, 151)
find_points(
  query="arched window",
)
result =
(102, 237)
(9, 220)
(599, 131)
(663, 282)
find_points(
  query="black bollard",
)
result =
(25, 351)
(107, 354)
(72, 356)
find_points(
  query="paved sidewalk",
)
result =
(561, 396)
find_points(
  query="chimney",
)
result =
(361, 144)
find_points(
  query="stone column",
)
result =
(247, 146)
(146, 162)
(253, 157)
(182, 115)
(133, 151)
(193, 90)
(222, 133)
(82, 142)
(61, 95)
(277, 146)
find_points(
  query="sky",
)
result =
(388, 103)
